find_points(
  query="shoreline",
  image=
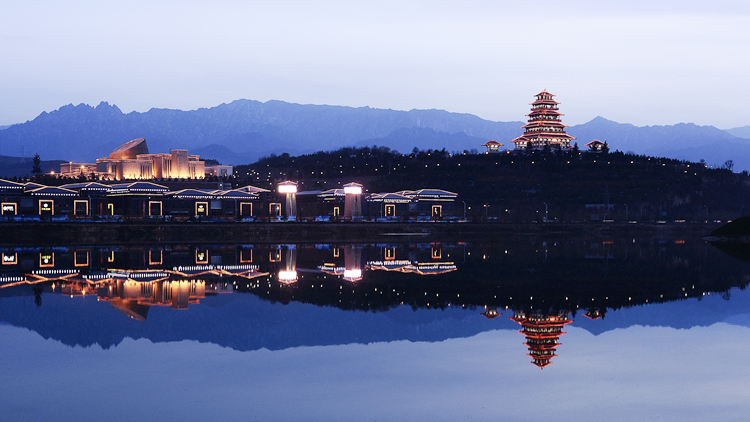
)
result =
(119, 233)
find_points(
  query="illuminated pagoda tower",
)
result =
(544, 127)
(542, 332)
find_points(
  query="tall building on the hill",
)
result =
(544, 127)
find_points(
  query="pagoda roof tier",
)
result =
(542, 346)
(539, 336)
(543, 134)
(548, 111)
(544, 101)
(543, 123)
(545, 93)
(536, 135)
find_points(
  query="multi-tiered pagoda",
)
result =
(542, 332)
(544, 127)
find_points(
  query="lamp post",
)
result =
(546, 212)
(464, 202)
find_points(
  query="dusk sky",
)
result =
(643, 62)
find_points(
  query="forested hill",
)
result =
(515, 187)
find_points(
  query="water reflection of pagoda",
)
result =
(542, 332)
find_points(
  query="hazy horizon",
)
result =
(644, 63)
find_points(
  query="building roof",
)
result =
(32, 186)
(87, 186)
(428, 193)
(192, 193)
(544, 111)
(130, 149)
(53, 191)
(139, 187)
(389, 198)
(543, 123)
(491, 143)
(530, 136)
(252, 189)
(595, 142)
(331, 193)
(239, 194)
(8, 185)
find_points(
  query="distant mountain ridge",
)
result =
(244, 130)
(249, 129)
(685, 141)
(740, 132)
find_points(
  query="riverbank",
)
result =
(71, 233)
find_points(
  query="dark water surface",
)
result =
(518, 328)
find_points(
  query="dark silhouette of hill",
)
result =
(515, 187)
(21, 166)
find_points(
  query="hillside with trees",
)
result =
(514, 187)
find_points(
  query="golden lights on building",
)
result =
(132, 160)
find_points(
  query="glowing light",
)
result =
(287, 276)
(353, 190)
(288, 188)
(352, 274)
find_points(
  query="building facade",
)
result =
(132, 161)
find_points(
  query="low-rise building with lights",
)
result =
(132, 161)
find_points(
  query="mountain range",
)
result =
(244, 130)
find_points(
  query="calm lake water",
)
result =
(520, 328)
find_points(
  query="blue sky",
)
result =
(640, 62)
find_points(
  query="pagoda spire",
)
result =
(544, 127)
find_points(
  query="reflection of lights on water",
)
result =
(287, 276)
(353, 274)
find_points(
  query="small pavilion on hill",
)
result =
(493, 147)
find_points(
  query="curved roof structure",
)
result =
(130, 150)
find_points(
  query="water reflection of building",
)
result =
(434, 266)
(288, 274)
(595, 313)
(542, 331)
(133, 293)
(352, 269)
